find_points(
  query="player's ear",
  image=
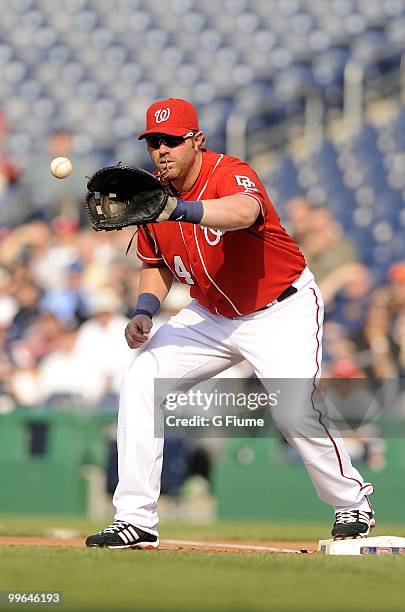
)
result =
(199, 140)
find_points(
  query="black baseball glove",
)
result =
(118, 196)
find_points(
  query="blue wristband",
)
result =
(148, 304)
(190, 211)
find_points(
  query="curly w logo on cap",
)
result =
(162, 114)
(177, 116)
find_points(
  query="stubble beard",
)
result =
(170, 174)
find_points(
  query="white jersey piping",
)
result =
(148, 258)
(198, 246)
(172, 271)
(213, 170)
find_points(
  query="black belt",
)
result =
(283, 296)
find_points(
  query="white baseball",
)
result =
(61, 167)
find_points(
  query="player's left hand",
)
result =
(137, 330)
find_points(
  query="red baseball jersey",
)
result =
(230, 273)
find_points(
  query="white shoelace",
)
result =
(352, 516)
(115, 527)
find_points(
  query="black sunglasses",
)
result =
(154, 140)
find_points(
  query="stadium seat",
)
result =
(244, 63)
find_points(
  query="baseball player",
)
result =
(253, 298)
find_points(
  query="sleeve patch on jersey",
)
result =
(246, 182)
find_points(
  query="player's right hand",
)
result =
(137, 330)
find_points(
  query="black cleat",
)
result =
(352, 524)
(122, 535)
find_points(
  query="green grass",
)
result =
(179, 581)
(43, 526)
(235, 530)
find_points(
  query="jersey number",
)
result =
(181, 270)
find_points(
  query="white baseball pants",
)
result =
(283, 341)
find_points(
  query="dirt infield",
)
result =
(180, 545)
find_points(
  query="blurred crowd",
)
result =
(364, 332)
(65, 297)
